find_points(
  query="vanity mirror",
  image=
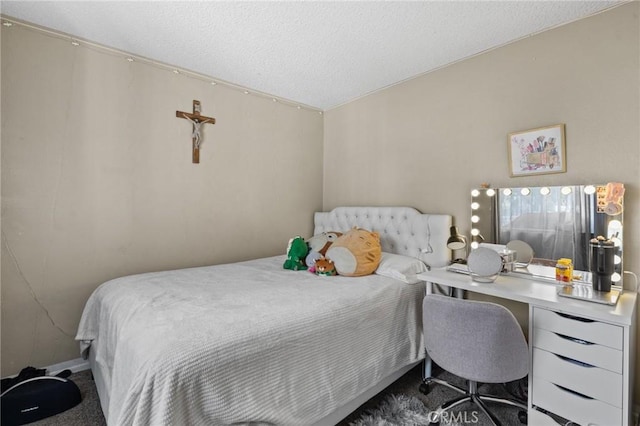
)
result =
(556, 221)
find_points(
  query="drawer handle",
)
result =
(573, 361)
(573, 339)
(581, 395)
(573, 317)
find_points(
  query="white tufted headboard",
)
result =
(403, 230)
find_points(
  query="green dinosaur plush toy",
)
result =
(296, 252)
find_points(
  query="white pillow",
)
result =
(403, 268)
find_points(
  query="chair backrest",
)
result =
(475, 340)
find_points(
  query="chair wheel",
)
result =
(424, 388)
(434, 418)
(523, 417)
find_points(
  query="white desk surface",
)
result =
(538, 293)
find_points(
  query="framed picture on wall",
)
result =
(537, 151)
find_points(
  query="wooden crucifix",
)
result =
(197, 121)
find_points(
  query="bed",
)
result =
(253, 343)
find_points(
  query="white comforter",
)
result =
(246, 342)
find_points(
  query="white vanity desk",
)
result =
(582, 354)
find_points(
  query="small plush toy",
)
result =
(324, 266)
(318, 246)
(356, 253)
(311, 259)
(296, 251)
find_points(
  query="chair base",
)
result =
(471, 395)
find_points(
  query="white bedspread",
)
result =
(246, 342)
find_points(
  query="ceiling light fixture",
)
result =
(7, 24)
(130, 59)
(176, 72)
(75, 43)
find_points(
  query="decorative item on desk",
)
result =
(601, 263)
(610, 198)
(524, 252)
(484, 264)
(456, 242)
(564, 271)
(508, 260)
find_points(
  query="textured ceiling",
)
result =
(321, 54)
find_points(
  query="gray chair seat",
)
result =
(481, 342)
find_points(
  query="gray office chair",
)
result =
(481, 342)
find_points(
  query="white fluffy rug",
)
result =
(397, 410)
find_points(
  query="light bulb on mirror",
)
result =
(476, 238)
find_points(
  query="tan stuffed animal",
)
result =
(356, 253)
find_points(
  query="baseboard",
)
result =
(74, 365)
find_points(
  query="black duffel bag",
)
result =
(37, 398)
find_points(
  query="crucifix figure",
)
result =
(197, 121)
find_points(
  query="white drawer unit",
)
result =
(578, 367)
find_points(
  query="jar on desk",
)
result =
(564, 271)
(508, 260)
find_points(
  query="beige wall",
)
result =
(427, 142)
(97, 182)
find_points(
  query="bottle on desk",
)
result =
(564, 271)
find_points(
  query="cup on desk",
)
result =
(508, 260)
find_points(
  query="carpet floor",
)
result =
(89, 413)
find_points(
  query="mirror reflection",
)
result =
(556, 221)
